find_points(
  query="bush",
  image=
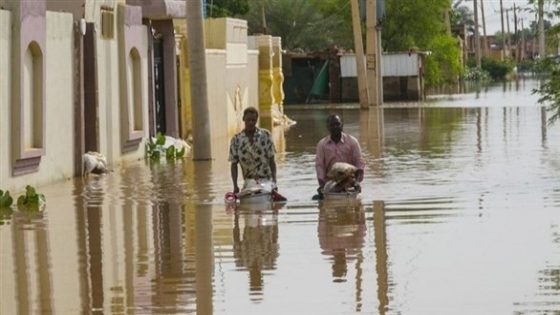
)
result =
(550, 90)
(497, 69)
(442, 65)
(526, 66)
(475, 74)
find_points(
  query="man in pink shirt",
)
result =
(337, 147)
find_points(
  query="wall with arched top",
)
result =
(37, 147)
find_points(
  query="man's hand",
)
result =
(235, 189)
(359, 175)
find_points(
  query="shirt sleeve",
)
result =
(233, 154)
(270, 149)
(357, 159)
(320, 162)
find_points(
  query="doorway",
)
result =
(159, 86)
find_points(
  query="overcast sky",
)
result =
(492, 13)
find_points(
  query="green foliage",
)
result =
(5, 214)
(31, 200)
(475, 74)
(417, 23)
(443, 64)
(309, 25)
(154, 150)
(550, 90)
(5, 199)
(463, 15)
(413, 23)
(526, 66)
(223, 8)
(30, 203)
(497, 69)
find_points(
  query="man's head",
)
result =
(334, 125)
(250, 117)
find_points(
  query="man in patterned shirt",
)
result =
(254, 150)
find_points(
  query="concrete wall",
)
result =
(5, 95)
(107, 73)
(57, 162)
(109, 91)
(232, 79)
(75, 7)
(253, 77)
(218, 112)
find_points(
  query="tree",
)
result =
(550, 90)
(230, 8)
(302, 24)
(419, 24)
(462, 15)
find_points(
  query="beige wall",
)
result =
(107, 58)
(232, 78)
(253, 78)
(5, 95)
(217, 94)
(57, 163)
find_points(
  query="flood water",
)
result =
(459, 214)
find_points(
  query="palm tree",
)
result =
(302, 24)
(462, 15)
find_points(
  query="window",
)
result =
(135, 90)
(28, 123)
(32, 109)
(107, 22)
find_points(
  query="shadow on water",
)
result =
(458, 214)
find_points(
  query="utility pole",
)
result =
(359, 47)
(515, 21)
(516, 39)
(508, 32)
(541, 29)
(485, 41)
(476, 34)
(522, 52)
(199, 89)
(534, 40)
(263, 18)
(503, 31)
(371, 49)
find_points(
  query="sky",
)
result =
(492, 13)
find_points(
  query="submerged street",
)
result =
(459, 214)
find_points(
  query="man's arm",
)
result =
(358, 160)
(272, 164)
(234, 159)
(320, 164)
(234, 177)
(270, 151)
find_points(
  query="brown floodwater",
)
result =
(459, 214)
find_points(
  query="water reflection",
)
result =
(31, 264)
(88, 224)
(381, 257)
(341, 231)
(255, 243)
(460, 194)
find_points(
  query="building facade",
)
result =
(104, 76)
